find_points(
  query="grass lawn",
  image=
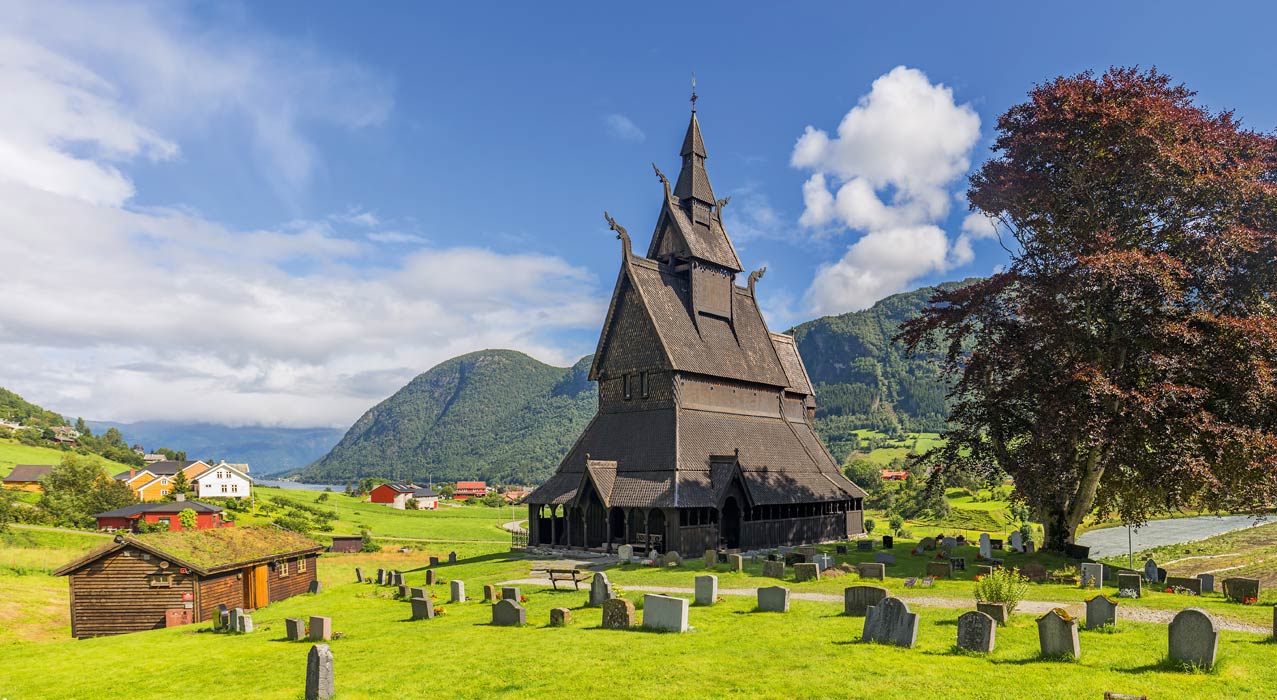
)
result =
(12, 452)
(896, 448)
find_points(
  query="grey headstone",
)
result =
(489, 593)
(418, 592)
(773, 599)
(663, 612)
(316, 587)
(997, 611)
(246, 624)
(737, 562)
(359, 575)
(295, 628)
(1208, 583)
(1192, 584)
(1092, 576)
(560, 617)
(1240, 589)
(618, 613)
(511, 593)
(458, 591)
(1150, 571)
(872, 570)
(1193, 638)
(890, 622)
(1057, 634)
(1017, 542)
(625, 553)
(319, 673)
(940, 569)
(508, 613)
(706, 589)
(774, 569)
(671, 559)
(824, 561)
(434, 561)
(430, 577)
(381, 577)
(857, 599)
(1130, 581)
(806, 572)
(422, 608)
(977, 632)
(321, 628)
(986, 546)
(600, 589)
(452, 557)
(233, 619)
(711, 558)
(950, 543)
(864, 545)
(885, 558)
(1100, 611)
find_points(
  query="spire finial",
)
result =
(694, 92)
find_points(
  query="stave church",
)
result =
(703, 437)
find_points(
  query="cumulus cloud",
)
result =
(623, 128)
(887, 174)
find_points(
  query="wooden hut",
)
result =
(166, 579)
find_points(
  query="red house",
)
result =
(131, 517)
(387, 493)
(470, 489)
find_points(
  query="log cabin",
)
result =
(167, 579)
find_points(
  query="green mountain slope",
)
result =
(497, 415)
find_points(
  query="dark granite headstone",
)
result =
(864, 545)
(890, 622)
(508, 613)
(1192, 584)
(977, 632)
(840, 549)
(1241, 589)
(857, 599)
(888, 542)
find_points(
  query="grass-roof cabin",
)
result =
(166, 579)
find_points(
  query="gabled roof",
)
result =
(424, 493)
(792, 362)
(472, 484)
(710, 243)
(167, 467)
(219, 467)
(208, 551)
(165, 507)
(28, 472)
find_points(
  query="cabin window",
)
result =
(163, 492)
(223, 488)
(625, 386)
(164, 482)
(283, 568)
(301, 565)
(160, 580)
(643, 391)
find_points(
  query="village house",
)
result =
(155, 481)
(132, 517)
(398, 495)
(347, 544)
(167, 579)
(223, 481)
(892, 475)
(26, 477)
(470, 489)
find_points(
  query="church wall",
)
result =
(723, 395)
(632, 343)
(660, 392)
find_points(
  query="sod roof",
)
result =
(210, 550)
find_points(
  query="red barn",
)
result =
(131, 517)
(470, 489)
(387, 493)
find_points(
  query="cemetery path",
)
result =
(1032, 607)
(1111, 541)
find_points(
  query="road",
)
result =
(1111, 541)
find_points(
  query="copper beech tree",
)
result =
(1125, 360)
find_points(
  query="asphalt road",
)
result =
(1111, 541)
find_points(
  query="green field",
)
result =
(12, 452)
(911, 443)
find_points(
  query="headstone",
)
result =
(977, 632)
(711, 558)
(417, 592)
(774, 569)
(872, 570)
(706, 589)
(1241, 589)
(223, 619)
(625, 553)
(489, 593)
(381, 577)
(319, 673)
(233, 619)
(997, 611)
(1130, 581)
(995, 544)
(864, 545)
(928, 543)
(773, 599)
(511, 593)
(399, 579)
(315, 587)
(434, 561)
(458, 591)
(618, 613)
(958, 563)
(321, 628)
(1208, 583)
(1192, 584)
(359, 575)
(986, 548)
(890, 622)
(1193, 638)
(663, 612)
(824, 561)
(1029, 548)
(807, 551)
(840, 549)
(452, 557)
(940, 569)
(1092, 576)
(888, 541)
(794, 558)
(295, 628)
(403, 592)
(736, 562)
(430, 577)
(246, 623)
(508, 613)
(806, 572)
(857, 599)
(600, 589)
(1150, 571)
(911, 582)
(1077, 551)
(1017, 541)
(884, 558)
(1100, 611)
(1057, 634)
(422, 608)
(950, 543)
(560, 617)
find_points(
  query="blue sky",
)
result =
(277, 213)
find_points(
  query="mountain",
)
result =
(496, 415)
(265, 450)
(18, 410)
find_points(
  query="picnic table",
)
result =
(576, 576)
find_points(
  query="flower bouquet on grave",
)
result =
(441, 611)
(1250, 600)
(523, 598)
(1180, 590)
(719, 599)
(434, 596)
(979, 577)
(1127, 593)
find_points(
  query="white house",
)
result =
(222, 481)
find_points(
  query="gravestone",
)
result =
(671, 559)
(995, 544)
(245, 624)
(434, 561)
(600, 589)
(872, 570)
(824, 561)
(1130, 581)
(736, 562)
(560, 617)
(321, 628)
(806, 572)
(986, 550)
(884, 558)
(1077, 551)
(1029, 548)
(977, 632)
(857, 599)
(452, 557)
(458, 591)
(1193, 638)
(625, 553)
(864, 545)
(840, 549)
(489, 593)
(295, 628)
(223, 621)
(359, 575)
(911, 582)
(232, 620)
(706, 589)
(940, 569)
(888, 542)
(711, 558)
(403, 592)
(618, 614)
(1057, 634)
(1092, 576)
(1208, 582)
(315, 587)
(794, 558)
(381, 577)
(1241, 589)
(1100, 611)
(430, 577)
(958, 563)
(950, 543)
(663, 612)
(507, 613)
(807, 551)
(1017, 541)
(417, 592)
(1161, 574)
(511, 593)
(774, 569)
(1150, 571)
(773, 599)
(928, 543)
(422, 608)
(997, 611)
(319, 673)
(890, 622)
(1192, 584)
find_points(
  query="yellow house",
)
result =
(26, 477)
(155, 481)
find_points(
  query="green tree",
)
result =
(82, 428)
(870, 524)
(6, 509)
(864, 474)
(78, 487)
(114, 438)
(188, 519)
(180, 486)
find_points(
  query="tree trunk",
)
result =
(1056, 534)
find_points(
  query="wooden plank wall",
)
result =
(294, 583)
(113, 595)
(225, 588)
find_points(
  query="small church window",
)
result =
(625, 386)
(643, 390)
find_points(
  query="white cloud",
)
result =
(622, 127)
(887, 173)
(397, 237)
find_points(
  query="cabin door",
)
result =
(256, 593)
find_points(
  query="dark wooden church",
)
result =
(703, 437)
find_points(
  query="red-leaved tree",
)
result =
(1125, 361)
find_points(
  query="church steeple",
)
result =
(693, 181)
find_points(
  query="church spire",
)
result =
(693, 181)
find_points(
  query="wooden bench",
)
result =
(576, 576)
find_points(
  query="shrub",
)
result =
(323, 497)
(188, 518)
(368, 544)
(1004, 586)
(869, 526)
